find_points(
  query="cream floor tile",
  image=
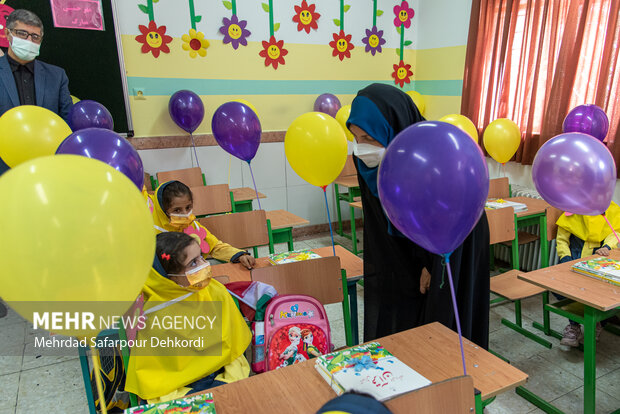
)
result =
(9, 385)
(11, 335)
(572, 402)
(571, 360)
(7, 410)
(547, 380)
(610, 383)
(509, 403)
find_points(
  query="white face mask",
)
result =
(24, 49)
(370, 155)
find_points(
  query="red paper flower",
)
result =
(154, 39)
(200, 235)
(342, 45)
(403, 13)
(402, 74)
(305, 17)
(273, 52)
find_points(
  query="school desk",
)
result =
(353, 265)
(432, 350)
(242, 198)
(281, 225)
(600, 301)
(353, 190)
(536, 214)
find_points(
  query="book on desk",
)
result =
(198, 404)
(371, 369)
(500, 203)
(292, 256)
(601, 268)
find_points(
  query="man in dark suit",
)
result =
(24, 80)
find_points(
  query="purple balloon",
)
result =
(328, 104)
(575, 173)
(107, 146)
(237, 130)
(589, 119)
(90, 114)
(433, 183)
(186, 110)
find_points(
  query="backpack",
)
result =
(295, 329)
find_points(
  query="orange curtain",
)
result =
(533, 60)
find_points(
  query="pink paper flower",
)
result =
(200, 235)
(404, 14)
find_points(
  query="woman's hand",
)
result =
(247, 261)
(425, 281)
(603, 251)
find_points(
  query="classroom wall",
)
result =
(279, 95)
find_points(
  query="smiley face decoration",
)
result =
(306, 17)
(402, 20)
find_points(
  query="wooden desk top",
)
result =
(432, 350)
(348, 261)
(356, 204)
(534, 205)
(281, 219)
(347, 181)
(245, 193)
(592, 292)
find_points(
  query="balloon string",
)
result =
(456, 311)
(612, 228)
(255, 189)
(229, 163)
(94, 358)
(195, 153)
(329, 220)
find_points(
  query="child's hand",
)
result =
(425, 281)
(603, 251)
(247, 261)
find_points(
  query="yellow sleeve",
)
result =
(563, 243)
(218, 249)
(611, 241)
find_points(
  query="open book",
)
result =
(369, 369)
(500, 203)
(202, 404)
(602, 268)
(293, 256)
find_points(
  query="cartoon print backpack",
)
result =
(295, 329)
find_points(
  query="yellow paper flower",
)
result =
(196, 43)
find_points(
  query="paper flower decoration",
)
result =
(234, 31)
(200, 235)
(273, 52)
(305, 17)
(403, 13)
(195, 43)
(373, 40)
(153, 39)
(402, 74)
(359, 364)
(342, 45)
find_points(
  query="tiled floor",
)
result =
(37, 384)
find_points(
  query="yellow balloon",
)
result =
(316, 147)
(463, 123)
(73, 229)
(247, 103)
(418, 100)
(75, 99)
(28, 131)
(501, 139)
(341, 116)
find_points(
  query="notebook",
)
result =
(202, 403)
(293, 256)
(371, 369)
(500, 203)
(601, 268)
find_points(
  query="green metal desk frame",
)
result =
(283, 235)
(349, 197)
(588, 319)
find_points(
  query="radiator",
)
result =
(529, 254)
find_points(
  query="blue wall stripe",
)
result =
(168, 86)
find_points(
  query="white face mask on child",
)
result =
(370, 155)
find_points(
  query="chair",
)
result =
(507, 285)
(454, 395)
(241, 230)
(148, 183)
(191, 177)
(281, 223)
(347, 178)
(499, 188)
(211, 199)
(321, 278)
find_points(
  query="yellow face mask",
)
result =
(182, 220)
(199, 277)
